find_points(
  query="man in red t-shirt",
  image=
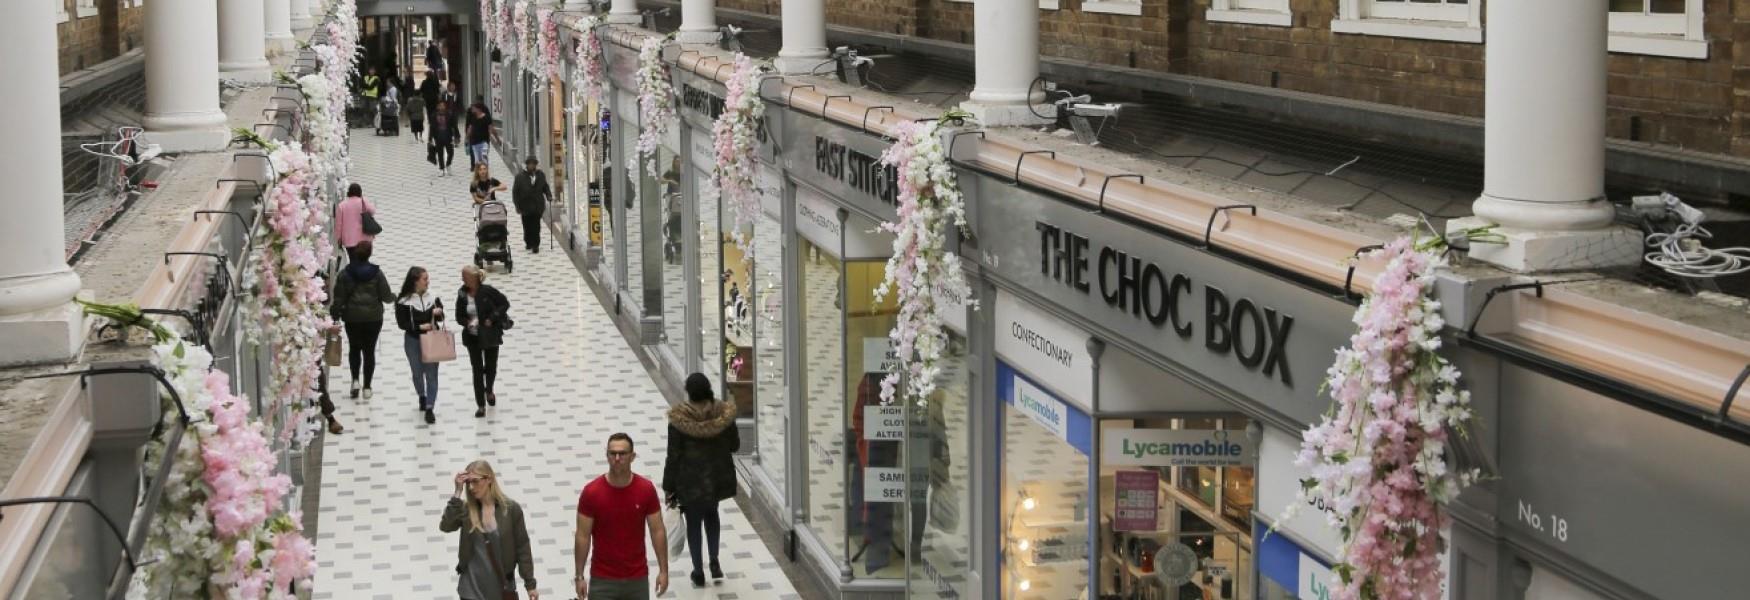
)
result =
(611, 512)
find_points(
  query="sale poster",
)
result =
(1137, 501)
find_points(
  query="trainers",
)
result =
(355, 388)
(716, 569)
(367, 393)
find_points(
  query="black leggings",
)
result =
(361, 341)
(484, 363)
(702, 516)
(445, 154)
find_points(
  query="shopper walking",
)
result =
(613, 512)
(479, 135)
(360, 292)
(484, 187)
(434, 59)
(531, 194)
(700, 467)
(416, 114)
(418, 311)
(441, 144)
(430, 91)
(495, 537)
(349, 217)
(483, 312)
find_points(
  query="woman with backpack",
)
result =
(360, 292)
(700, 468)
(350, 216)
(417, 311)
(483, 313)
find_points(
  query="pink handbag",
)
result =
(437, 345)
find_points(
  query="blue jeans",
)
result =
(476, 154)
(425, 375)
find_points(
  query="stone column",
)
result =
(38, 321)
(301, 15)
(698, 22)
(242, 41)
(625, 12)
(1006, 51)
(1543, 176)
(804, 23)
(182, 77)
(279, 25)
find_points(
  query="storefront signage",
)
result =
(883, 484)
(1137, 504)
(1177, 448)
(1250, 333)
(496, 73)
(701, 101)
(1046, 347)
(1315, 579)
(879, 355)
(843, 162)
(884, 423)
(1042, 408)
(1279, 487)
(818, 221)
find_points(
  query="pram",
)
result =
(388, 117)
(492, 235)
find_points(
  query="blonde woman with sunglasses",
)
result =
(495, 541)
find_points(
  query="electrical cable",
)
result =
(1680, 252)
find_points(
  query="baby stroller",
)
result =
(388, 117)
(492, 234)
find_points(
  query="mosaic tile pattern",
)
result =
(566, 381)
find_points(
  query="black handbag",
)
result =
(369, 223)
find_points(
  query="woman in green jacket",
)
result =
(495, 541)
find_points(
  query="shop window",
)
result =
(1175, 531)
(674, 278)
(713, 278)
(1444, 20)
(820, 289)
(1045, 499)
(639, 185)
(1252, 12)
(1043, 4)
(939, 461)
(755, 328)
(85, 8)
(1658, 27)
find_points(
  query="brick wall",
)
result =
(1125, 40)
(82, 39)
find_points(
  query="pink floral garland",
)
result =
(734, 135)
(548, 70)
(292, 307)
(655, 99)
(489, 20)
(1380, 462)
(922, 269)
(587, 74)
(507, 42)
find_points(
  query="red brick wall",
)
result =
(1068, 32)
(81, 39)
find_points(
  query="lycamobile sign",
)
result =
(1177, 448)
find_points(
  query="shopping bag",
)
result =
(677, 531)
(436, 346)
(334, 352)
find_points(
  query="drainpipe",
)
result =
(625, 12)
(1006, 56)
(698, 22)
(243, 42)
(804, 23)
(38, 322)
(182, 77)
(1543, 177)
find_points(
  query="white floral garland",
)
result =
(588, 78)
(546, 67)
(734, 138)
(922, 269)
(218, 528)
(656, 110)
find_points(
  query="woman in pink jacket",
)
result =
(349, 220)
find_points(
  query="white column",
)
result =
(38, 322)
(625, 12)
(278, 20)
(1543, 177)
(1006, 51)
(698, 22)
(182, 77)
(242, 45)
(583, 5)
(301, 16)
(804, 23)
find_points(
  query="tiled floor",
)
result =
(566, 381)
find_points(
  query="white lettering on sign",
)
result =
(1177, 448)
(1042, 408)
(883, 484)
(1051, 351)
(886, 423)
(1558, 526)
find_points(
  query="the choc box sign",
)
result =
(701, 101)
(1255, 335)
(860, 171)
